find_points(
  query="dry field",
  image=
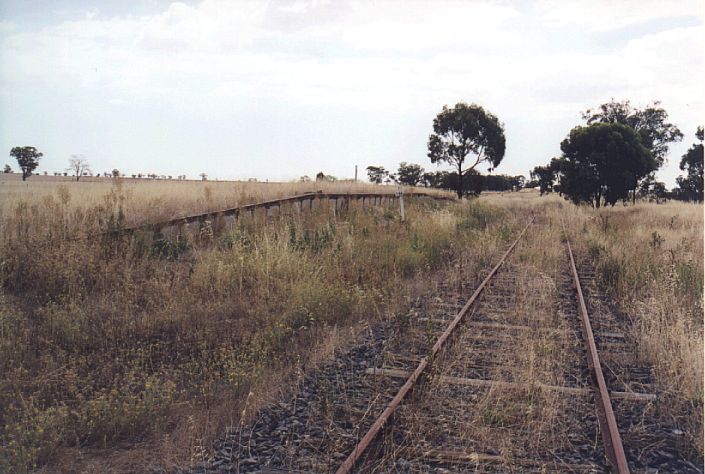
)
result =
(148, 200)
(649, 260)
(125, 353)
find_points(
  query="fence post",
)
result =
(400, 194)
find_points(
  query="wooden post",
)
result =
(400, 193)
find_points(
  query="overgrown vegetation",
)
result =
(163, 339)
(649, 259)
(144, 201)
(155, 337)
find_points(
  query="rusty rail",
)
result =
(235, 211)
(382, 420)
(603, 406)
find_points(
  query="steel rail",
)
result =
(382, 420)
(614, 450)
(265, 204)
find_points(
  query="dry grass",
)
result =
(649, 259)
(147, 200)
(156, 344)
(525, 304)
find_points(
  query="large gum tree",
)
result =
(465, 136)
(602, 163)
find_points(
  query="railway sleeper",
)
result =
(579, 391)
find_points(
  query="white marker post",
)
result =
(400, 195)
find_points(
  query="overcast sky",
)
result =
(280, 89)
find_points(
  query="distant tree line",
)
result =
(473, 183)
(28, 160)
(614, 156)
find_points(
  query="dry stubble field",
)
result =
(124, 353)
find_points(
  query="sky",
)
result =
(279, 89)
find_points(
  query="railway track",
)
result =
(531, 373)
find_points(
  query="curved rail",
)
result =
(603, 406)
(377, 426)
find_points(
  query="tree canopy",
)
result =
(601, 163)
(473, 182)
(691, 185)
(377, 174)
(27, 158)
(466, 131)
(321, 176)
(409, 174)
(651, 123)
(545, 176)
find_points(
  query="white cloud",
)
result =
(419, 26)
(212, 25)
(205, 60)
(605, 15)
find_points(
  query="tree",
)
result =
(472, 184)
(79, 166)
(519, 182)
(27, 158)
(651, 123)
(409, 174)
(321, 176)
(376, 174)
(691, 185)
(116, 173)
(7, 169)
(502, 182)
(432, 179)
(602, 162)
(462, 131)
(545, 176)
(651, 189)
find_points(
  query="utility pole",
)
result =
(400, 194)
(356, 173)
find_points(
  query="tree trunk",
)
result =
(460, 182)
(24, 176)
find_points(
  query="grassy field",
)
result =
(133, 352)
(148, 200)
(649, 261)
